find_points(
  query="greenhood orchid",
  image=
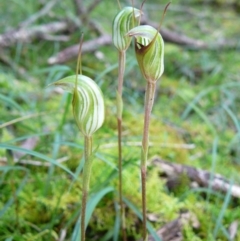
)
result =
(87, 103)
(122, 23)
(149, 48)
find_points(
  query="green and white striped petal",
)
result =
(87, 103)
(149, 48)
(122, 23)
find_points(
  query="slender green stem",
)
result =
(149, 99)
(121, 69)
(86, 180)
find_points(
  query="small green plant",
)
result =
(149, 49)
(122, 23)
(88, 112)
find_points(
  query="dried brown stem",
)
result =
(12, 37)
(88, 46)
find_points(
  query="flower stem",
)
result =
(121, 69)
(149, 99)
(86, 180)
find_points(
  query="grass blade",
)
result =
(38, 155)
(6, 169)
(139, 214)
(222, 212)
(200, 113)
(91, 205)
(117, 223)
(10, 102)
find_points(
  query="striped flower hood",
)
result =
(87, 103)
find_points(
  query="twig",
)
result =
(3, 162)
(80, 9)
(71, 52)
(93, 5)
(172, 231)
(84, 13)
(58, 38)
(161, 145)
(33, 18)
(27, 35)
(180, 39)
(202, 177)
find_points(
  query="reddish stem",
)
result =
(149, 99)
(121, 70)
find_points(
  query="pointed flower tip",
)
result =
(87, 104)
(122, 23)
(149, 48)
